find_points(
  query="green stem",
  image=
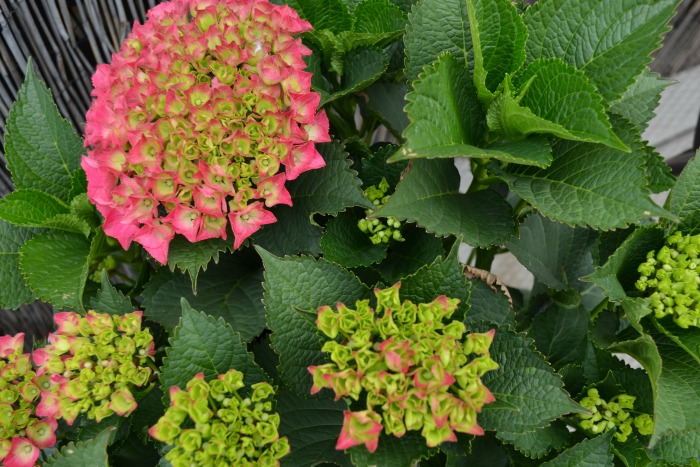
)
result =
(482, 178)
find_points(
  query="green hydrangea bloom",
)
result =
(613, 415)
(380, 230)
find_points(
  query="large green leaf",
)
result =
(41, 147)
(590, 452)
(325, 14)
(688, 339)
(294, 289)
(429, 195)
(55, 265)
(30, 208)
(537, 443)
(443, 108)
(588, 184)
(675, 381)
(194, 257)
(345, 244)
(362, 66)
(610, 40)
(529, 395)
(552, 97)
(561, 334)
(14, 291)
(557, 254)
(684, 199)
(110, 300)
(92, 452)
(419, 249)
(498, 36)
(434, 27)
(204, 344)
(678, 447)
(328, 190)
(488, 305)
(378, 17)
(312, 427)
(658, 174)
(640, 99)
(387, 101)
(230, 290)
(619, 272)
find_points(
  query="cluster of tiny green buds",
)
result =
(209, 423)
(93, 364)
(22, 432)
(615, 414)
(380, 230)
(671, 277)
(416, 368)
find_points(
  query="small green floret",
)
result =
(670, 279)
(380, 230)
(614, 414)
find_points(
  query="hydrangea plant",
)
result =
(276, 186)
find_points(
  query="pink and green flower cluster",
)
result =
(380, 230)
(210, 423)
(416, 368)
(199, 121)
(22, 431)
(673, 278)
(613, 415)
(92, 365)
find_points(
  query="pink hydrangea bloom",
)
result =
(199, 121)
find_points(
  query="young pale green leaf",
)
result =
(30, 208)
(419, 249)
(529, 395)
(498, 36)
(588, 184)
(557, 254)
(443, 108)
(204, 344)
(561, 334)
(610, 40)
(41, 147)
(378, 17)
(687, 339)
(393, 451)
(312, 427)
(684, 199)
(110, 300)
(294, 289)
(435, 27)
(193, 258)
(14, 291)
(619, 273)
(593, 452)
(345, 244)
(487, 304)
(429, 195)
(92, 452)
(328, 190)
(230, 290)
(677, 448)
(640, 99)
(55, 266)
(537, 443)
(552, 97)
(386, 101)
(675, 379)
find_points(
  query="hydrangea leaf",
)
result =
(362, 66)
(345, 244)
(429, 195)
(202, 343)
(328, 190)
(658, 174)
(90, 452)
(391, 450)
(619, 273)
(529, 395)
(14, 291)
(375, 167)
(68, 223)
(406, 257)
(610, 40)
(378, 17)
(594, 451)
(443, 107)
(78, 183)
(55, 265)
(549, 96)
(41, 147)
(83, 209)
(436, 26)
(386, 101)
(30, 208)
(498, 36)
(578, 187)
(230, 290)
(109, 299)
(640, 99)
(488, 305)
(677, 447)
(312, 427)
(325, 14)
(294, 289)
(684, 199)
(561, 334)
(557, 254)
(687, 339)
(538, 443)
(675, 379)
(193, 258)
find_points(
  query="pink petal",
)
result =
(248, 221)
(22, 453)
